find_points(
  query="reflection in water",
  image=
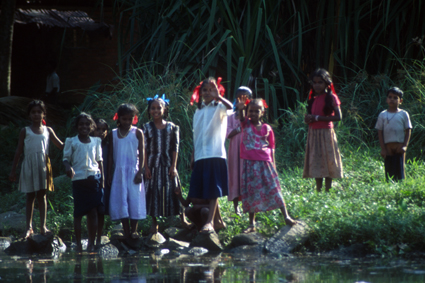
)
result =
(130, 272)
(94, 270)
(35, 276)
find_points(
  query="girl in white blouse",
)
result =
(82, 158)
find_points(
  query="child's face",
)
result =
(101, 131)
(255, 112)
(207, 92)
(393, 100)
(126, 121)
(156, 111)
(84, 127)
(36, 114)
(319, 85)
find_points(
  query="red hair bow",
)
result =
(264, 103)
(135, 120)
(331, 86)
(196, 95)
(43, 122)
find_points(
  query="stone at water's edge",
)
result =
(287, 239)
(197, 251)
(12, 222)
(108, 251)
(171, 232)
(247, 239)
(247, 250)
(37, 244)
(155, 240)
(174, 244)
(209, 241)
(5, 243)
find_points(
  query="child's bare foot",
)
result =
(250, 229)
(238, 211)
(134, 235)
(290, 221)
(28, 234)
(45, 232)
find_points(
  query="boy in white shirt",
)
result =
(394, 129)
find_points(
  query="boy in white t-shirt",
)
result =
(394, 128)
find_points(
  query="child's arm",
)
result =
(382, 143)
(223, 100)
(102, 175)
(139, 178)
(18, 153)
(273, 159)
(403, 147)
(337, 117)
(175, 151)
(56, 141)
(69, 170)
(173, 168)
(184, 202)
(241, 107)
(110, 160)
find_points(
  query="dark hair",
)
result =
(35, 103)
(127, 109)
(88, 117)
(326, 77)
(256, 101)
(204, 83)
(161, 102)
(396, 91)
(101, 121)
(244, 89)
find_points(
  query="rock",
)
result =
(171, 232)
(185, 235)
(162, 252)
(38, 244)
(248, 250)
(15, 207)
(247, 239)
(287, 239)
(209, 241)
(12, 222)
(104, 240)
(108, 251)
(197, 251)
(5, 243)
(174, 244)
(135, 244)
(155, 240)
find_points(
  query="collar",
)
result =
(212, 103)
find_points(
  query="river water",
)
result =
(172, 267)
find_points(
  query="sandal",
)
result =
(207, 229)
(250, 229)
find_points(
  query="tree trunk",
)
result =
(7, 17)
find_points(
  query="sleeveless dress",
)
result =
(35, 173)
(159, 147)
(127, 199)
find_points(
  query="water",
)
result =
(148, 267)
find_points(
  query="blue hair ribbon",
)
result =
(166, 101)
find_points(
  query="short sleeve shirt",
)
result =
(393, 125)
(84, 157)
(209, 131)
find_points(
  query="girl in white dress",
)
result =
(36, 172)
(126, 151)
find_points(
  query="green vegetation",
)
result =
(362, 207)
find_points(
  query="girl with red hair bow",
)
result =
(209, 176)
(322, 157)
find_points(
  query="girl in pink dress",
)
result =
(234, 162)
(260, 183)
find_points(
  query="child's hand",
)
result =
(70, 172)
(214, 92)
(173, 171)
(401, 149)
(384, 153)
(138, 178)
(240, 105)
(148, 173)
(308, 118)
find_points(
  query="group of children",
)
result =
(131, 172)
